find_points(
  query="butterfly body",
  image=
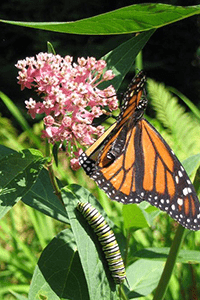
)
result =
(131, 162)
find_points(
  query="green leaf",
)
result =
(99, 281)
(191, 164)
(83, 195)
(187, 101)
(18, 172)
(183, 129)
(5, 151)
(129, 19)
(20, 118)
(184, 256)
(139, 216)
(42, 197)
(122, 58)
(133, 216)
(143, 277)
(59, 274)
(50, 48)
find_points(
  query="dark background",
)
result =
(172, 55)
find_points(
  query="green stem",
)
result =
(51, 174)
(121, 287)
(138, 62)
(170, 263)
(54, 182)
(128, 236)
(122, 293)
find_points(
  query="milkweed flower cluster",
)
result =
(70, 97)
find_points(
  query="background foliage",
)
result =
(170, 56)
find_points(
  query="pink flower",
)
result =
(70, 97)
(66, 121)
(48, 121)
(75, 164)
(108, 75)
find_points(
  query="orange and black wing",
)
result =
(109, 142)
(132, 163)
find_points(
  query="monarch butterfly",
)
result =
(131, 162)
(107, 239)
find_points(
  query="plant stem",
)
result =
(51, 174)
(128, 236)
(54, 183)
(170, 263)
(138, 62)
(122, 293)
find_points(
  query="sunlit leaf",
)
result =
(129, 19)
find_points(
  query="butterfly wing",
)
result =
(109, 141)
(131, 162)
(147, 169)
(165, 182)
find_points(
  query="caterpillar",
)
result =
(107, 239)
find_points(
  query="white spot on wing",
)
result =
(173, 207)
(180, 174)
(180, 201)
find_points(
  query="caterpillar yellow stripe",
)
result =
(107, 239)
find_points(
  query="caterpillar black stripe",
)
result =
(107, 239)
